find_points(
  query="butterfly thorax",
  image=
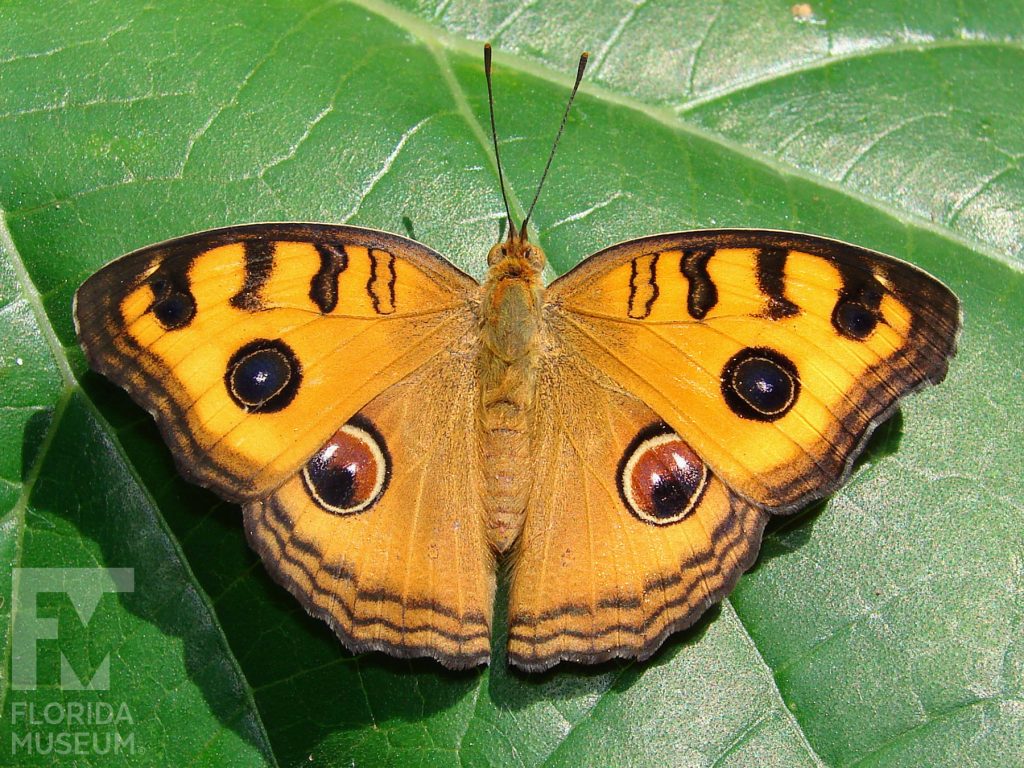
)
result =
(510, 323)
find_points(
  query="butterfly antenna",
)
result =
(494, 135)
(565, 116)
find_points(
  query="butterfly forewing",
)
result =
(251, 345)
(772, 354)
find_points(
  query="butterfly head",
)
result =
(516, 255)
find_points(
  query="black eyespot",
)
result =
(175, 311)
(854, 320)
(760, 384)
(350, 472)
(661, 479)
(263, 376)
(173, 304)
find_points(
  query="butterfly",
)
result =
(396, 431)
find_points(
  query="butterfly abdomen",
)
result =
(509, 351)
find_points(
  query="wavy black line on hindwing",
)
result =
(381, 285)
(645, 288)
(281, 526)
(728, 539)
(323, 288)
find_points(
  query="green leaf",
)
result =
(882, 627)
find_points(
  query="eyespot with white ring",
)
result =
(350, 473)
(661, 479)
(760, 384)
(263, 376)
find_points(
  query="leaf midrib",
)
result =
(437, 39)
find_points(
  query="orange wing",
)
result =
(250, 345)
(628, 535)
(381, 534)
(773, 354)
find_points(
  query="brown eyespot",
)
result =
(350, 472)
(661, 479)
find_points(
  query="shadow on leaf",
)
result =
(884, 441)
(513, 689)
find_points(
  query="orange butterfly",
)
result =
(392, 428)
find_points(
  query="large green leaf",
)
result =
(882, 627)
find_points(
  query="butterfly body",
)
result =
(510, 346)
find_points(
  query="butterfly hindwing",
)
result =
(382, 534)
(628, 536)
(773, 354)
(251, 345)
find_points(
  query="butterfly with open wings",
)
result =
(395, 430)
